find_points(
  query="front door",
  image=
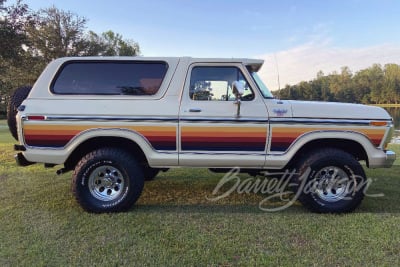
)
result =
(210, 131)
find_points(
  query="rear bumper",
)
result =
(22, 161)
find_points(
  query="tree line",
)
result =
(30, 39)
(373, 85)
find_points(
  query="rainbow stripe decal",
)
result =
(54, 135)
(223, 138)
(283, 137)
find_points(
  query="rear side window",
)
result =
(110, 78)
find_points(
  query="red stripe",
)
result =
(161, 138)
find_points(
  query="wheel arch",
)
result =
(94, 143)
(351, 146)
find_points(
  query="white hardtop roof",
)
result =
(255, 64)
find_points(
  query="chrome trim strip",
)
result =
(222, 120)
(214, 120)
(321, 121)
(153, 119)
(110, 118)
(262, 153)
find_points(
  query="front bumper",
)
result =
(390, 158)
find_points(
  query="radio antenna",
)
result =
(279, 82)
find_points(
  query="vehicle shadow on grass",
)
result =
(378, 205)
(174, 195)
(215, 209)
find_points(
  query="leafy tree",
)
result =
(59, 33)
(391, 86)
(285, 93)
(110, 44)
(368, 84)
(29, 40)
(373, 85)
(56, 33)
(12, 22)
(15, 69)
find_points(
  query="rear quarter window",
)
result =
(109, 78)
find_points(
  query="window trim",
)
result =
(218, 65)
(63, 65)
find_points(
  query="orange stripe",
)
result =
(224, 129)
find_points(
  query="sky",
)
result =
(295, 38)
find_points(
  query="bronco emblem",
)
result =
(280, 112)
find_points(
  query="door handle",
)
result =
(195, 110)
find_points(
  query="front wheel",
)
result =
(107, 180)
(330, 181)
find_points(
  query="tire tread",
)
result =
(117, 155)
(332, 153)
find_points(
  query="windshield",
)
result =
(263, 88)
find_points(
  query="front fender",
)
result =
(375, 156)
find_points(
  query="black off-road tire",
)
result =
(107, 180)
(16, 99)
(344, 178)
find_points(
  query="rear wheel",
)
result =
(330, 181)
(107, 180)
(16, 99)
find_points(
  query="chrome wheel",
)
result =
(106, 183)
(332, 184)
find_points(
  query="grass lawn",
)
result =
(173, 224)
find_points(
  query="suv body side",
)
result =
(119, 121)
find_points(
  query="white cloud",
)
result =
(303, 62)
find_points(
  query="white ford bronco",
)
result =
(118, 121)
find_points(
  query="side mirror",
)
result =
(238, 91)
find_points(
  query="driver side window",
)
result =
(215, 84)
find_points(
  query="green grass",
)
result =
(173, 224)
